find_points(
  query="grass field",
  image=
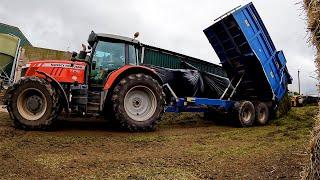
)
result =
(184, 147)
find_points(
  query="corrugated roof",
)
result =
(8, 29)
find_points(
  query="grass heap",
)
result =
(312, 8)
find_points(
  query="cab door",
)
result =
(108, 57)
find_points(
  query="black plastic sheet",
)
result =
(192, 82)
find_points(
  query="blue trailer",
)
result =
(257, 72)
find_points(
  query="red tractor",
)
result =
(106, 81)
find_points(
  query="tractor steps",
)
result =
(94, 105)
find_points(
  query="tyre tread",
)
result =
(118, 112)
(48, 123)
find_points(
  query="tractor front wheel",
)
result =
(138, 102)
(33, 104)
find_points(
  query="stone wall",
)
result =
(29, 53)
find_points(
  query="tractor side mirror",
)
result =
(94, 65)
(73, 56)
(84, 48)
(82, 55)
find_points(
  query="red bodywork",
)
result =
(63, 71)
(70, 72)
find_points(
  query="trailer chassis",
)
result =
(195, 104)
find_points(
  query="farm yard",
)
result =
(160, 79)
(183, 147)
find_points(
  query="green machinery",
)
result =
(9, 53)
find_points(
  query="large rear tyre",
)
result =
(262, 113)
(33, 104)
(138, 102)
(245, 113)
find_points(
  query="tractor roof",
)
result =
(93, 37)
(117, 37)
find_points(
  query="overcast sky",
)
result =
(175, 25)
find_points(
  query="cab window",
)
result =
(132, 55)
(109, 56)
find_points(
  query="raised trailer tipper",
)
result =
(257, 71)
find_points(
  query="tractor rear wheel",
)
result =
(138, 102)
(33, 104)
(262, 113)
(245, 113)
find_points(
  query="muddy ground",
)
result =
(184, 147)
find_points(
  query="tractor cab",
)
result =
(110, 53)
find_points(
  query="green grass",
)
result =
(148, 139)
(281, 134)
(184, 147)
(299, 121)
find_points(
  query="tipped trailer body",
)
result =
(244, 45)
(257, 71)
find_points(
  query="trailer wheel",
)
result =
(138, 102)
(245, 113)
(262, 113)
(33, 104)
